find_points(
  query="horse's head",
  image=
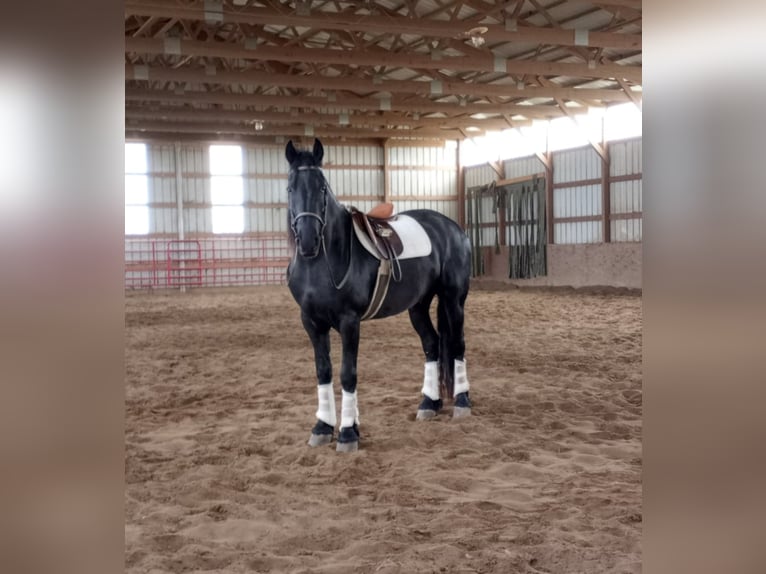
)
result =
(306, 197)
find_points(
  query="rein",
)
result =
(322, 221)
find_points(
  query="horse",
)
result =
(332, 277)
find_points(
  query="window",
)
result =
(227, 189)
(136, 190)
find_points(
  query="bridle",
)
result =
(317, 216)
(322, 222)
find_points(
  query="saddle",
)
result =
(376, 225)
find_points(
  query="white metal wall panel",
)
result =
(262, 160)
(627, 230)
(198, 220)
(523, 166)
(353, 156)
(418, 182)
(479, 175)
(349, 184)
(625, 157)
(194, 169)
(195, 189)
(266, 219)
(258, 190)
(163, 220)
(577, 232)
(354, 172)
(162, 188)
(577, 201)
(424, 171)
(576, 165)
(626, 196)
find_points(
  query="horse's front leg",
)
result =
(320, 339)
(348, 436)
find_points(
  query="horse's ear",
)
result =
(290, 152)
(318, 151)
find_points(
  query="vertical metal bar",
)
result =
(155, 281)
(179, 203)
(212, 262)
(606, 197)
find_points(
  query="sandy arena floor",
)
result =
(545, 477)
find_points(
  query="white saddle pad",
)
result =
(415, 240)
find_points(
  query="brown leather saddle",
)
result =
(376, 225)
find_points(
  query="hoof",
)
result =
(461, 412)
(428, 409)
(348, 439)
(321, 434)
(320, 439)
(347, 446)
(425, 414)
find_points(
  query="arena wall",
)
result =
(185, 252)
(596, 208)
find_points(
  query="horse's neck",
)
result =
(338, 227)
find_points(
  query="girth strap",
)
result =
(382, 282)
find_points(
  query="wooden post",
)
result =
(547, 160)
(386, 173)
(460, 186)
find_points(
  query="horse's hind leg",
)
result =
(326, 417)
(421, 321)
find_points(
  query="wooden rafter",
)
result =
(369, 86)
(595, 144)
(377, 120)
(392, 24)
(635, 98)
(373, 57)
(298, 129)
(408, 64)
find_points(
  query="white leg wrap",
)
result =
(431, 380)
(461, 378)
(349, 411)
(326, 410)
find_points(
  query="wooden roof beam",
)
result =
(421, 88)
(298, 130)
(487, 63)
(596, 145)
(634, 97)
(391, 24)
(398, 104)
(382, 120)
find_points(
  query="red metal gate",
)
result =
(184, 263)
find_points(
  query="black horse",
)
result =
(332, 277)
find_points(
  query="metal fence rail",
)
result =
(208, 262)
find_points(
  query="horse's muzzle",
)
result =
(308, 248)
(308, 238)
(308, 253)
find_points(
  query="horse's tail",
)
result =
(446, 360)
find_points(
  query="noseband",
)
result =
(320, 217)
